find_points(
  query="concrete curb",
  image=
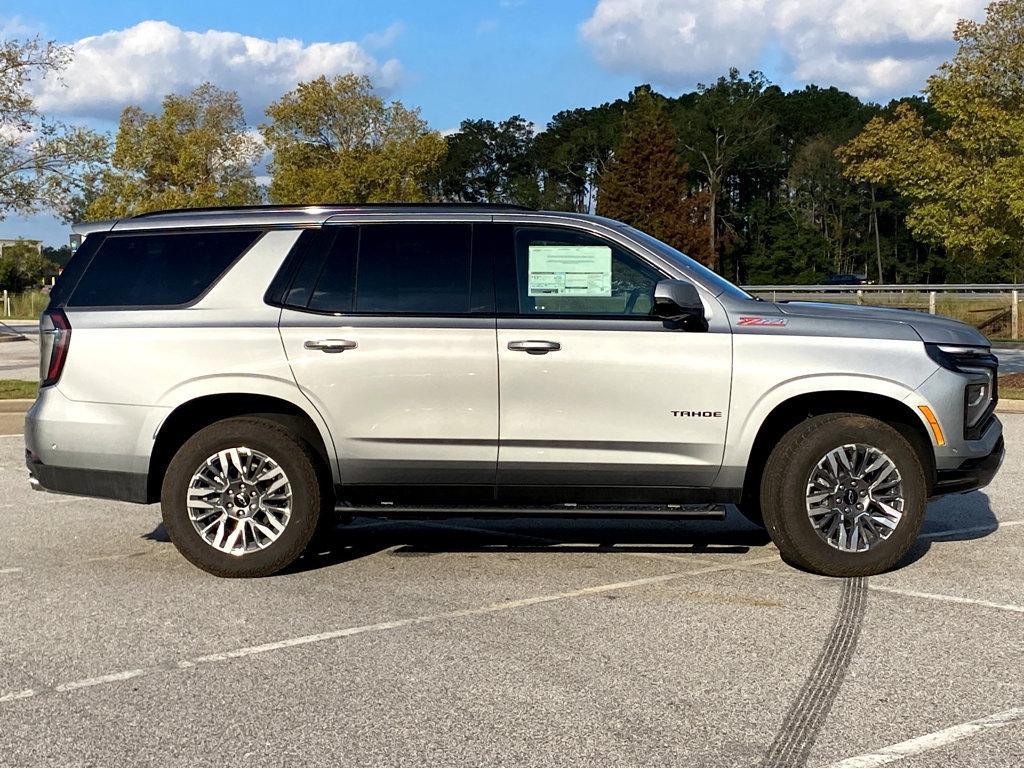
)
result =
(15, 405)
(1010, 406)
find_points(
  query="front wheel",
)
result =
(843, 495)
(243, 498)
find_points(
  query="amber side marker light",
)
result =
(934, 424)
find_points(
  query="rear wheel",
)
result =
(244, 498)
(843, 495)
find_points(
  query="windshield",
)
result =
(710, 279)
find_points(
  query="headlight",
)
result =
(981, 392)
(977, 399)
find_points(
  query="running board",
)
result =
(713, 512)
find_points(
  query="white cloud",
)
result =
(385, 38)
(676, 42)
(143, 63)
(874, 48)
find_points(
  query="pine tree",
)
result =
(645, 183)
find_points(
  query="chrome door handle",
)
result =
(534, 347)
(330, 345)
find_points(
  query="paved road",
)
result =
(516, 642)
(20, 360)
(1011, 361)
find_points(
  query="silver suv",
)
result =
(264, 372)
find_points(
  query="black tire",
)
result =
(784, 488)
(311, 497)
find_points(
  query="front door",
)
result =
(595, 392)
(390, 332)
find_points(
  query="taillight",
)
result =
(55, 325)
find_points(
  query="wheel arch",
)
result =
(792, 411)
(191, 416)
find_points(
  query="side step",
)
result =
(714, 512)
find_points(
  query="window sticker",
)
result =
(570, 271)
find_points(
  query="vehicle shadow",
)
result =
(548, 535)
(950, 519)
(956, 518)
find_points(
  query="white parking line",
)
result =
(10, 570)
(894, 590)
(18, 695)
(948, 598)
(98, 680)
(951, 734)
(288, 643)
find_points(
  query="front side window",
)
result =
(158, 269)
(566, 272)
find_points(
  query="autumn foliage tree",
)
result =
(197, 151)
(334, 139)
(963, 174)
(645, 184)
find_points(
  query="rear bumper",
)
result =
(972, 474)
(107, 484)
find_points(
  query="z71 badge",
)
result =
(757, 320)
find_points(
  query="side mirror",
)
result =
(678, 300)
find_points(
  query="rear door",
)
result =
(595, 392)
(390, 332)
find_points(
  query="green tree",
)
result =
(23, 267)
(335, 140)
(824, 201)
(196, 152)
(488, 162)
(962, 173)
(723, 127)
(573, 151)
(645, 183)
(42, 163)
(59, 256)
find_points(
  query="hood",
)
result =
(931, 328)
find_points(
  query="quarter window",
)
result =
(157, 269)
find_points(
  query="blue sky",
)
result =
(488, 58)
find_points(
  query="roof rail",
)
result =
(300, 206)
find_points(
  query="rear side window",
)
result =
(160, 269)
(414, 268)
(425, 268)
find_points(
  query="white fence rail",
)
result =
(918, 296)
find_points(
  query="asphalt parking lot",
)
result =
(509, 642)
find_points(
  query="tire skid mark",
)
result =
(806, 716)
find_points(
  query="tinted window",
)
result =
(70, 275)
(414, 268)
(335, 290)
(158, 269)
(314, 262)
(565, 272)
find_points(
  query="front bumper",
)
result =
(972, 474)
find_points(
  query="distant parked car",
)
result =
(846, 280)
